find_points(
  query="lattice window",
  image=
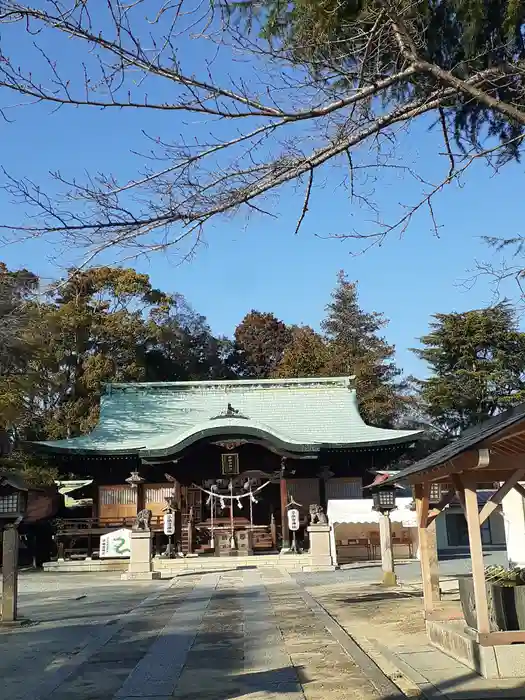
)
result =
(344, 489)
(158, 494)
(118, 496)
(9, 503)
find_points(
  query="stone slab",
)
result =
(141, 576)
(159, 670)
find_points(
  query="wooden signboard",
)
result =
(230, 464)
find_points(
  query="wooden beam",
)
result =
(424, 508)
(496, 498)
(443, 503)
(500, 638)
(476, 554)
(477, 459)
(460, 492)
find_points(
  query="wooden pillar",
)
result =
(141, 497)
(476, 554)
(387, 552)
(273, 531)
(95, 495)
(422, 493)
(10, 574)
(190, 531)
(433, 560)
(284, 515)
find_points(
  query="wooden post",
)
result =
(422, 492)
(284, 515)
(433, 560)
(190, 531)
(387, 554)
(476, 554)
(273, 531)
(141, 497)
(10, 574)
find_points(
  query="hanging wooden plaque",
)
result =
(230, 464)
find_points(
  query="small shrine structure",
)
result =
(491, 455)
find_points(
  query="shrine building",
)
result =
(231, 454)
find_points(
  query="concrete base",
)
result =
(14, 624)
(503, 661)
(318, 567)
(183, 565)
(140, 576)
(389, 578)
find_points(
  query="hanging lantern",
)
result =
(239, 503)
(223, 504)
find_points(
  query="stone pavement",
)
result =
(389, 626)
(239, 635)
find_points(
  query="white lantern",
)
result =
(169, 524)
(293, 519)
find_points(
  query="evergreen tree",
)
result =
(356, 347)
(477, 360)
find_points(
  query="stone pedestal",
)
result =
(245, 543)
(320, 550)
(140, 561)
(10, 574)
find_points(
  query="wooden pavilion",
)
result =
(491, 454)
(284, 438)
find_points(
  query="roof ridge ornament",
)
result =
(230, 412)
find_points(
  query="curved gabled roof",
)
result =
(299, 415)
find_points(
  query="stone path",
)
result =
(239, 635)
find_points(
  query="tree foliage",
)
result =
(350, 344)
(477, 360)
(306, 355)
(105, 324)
(261, 339)
(308, 84)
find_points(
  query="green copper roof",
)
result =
(297, 415)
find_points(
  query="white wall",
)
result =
(514, 521)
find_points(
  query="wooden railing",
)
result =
(81, 536)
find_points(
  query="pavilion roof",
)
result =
(296, 415)
(503, 436)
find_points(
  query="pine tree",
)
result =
(477, 360)
(357, 348)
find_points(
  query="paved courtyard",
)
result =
(241, 634)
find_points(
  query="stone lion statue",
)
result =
(142, 520)
(317, 515)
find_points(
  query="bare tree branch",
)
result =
(278, 118)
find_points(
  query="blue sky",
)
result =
(259, 262)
